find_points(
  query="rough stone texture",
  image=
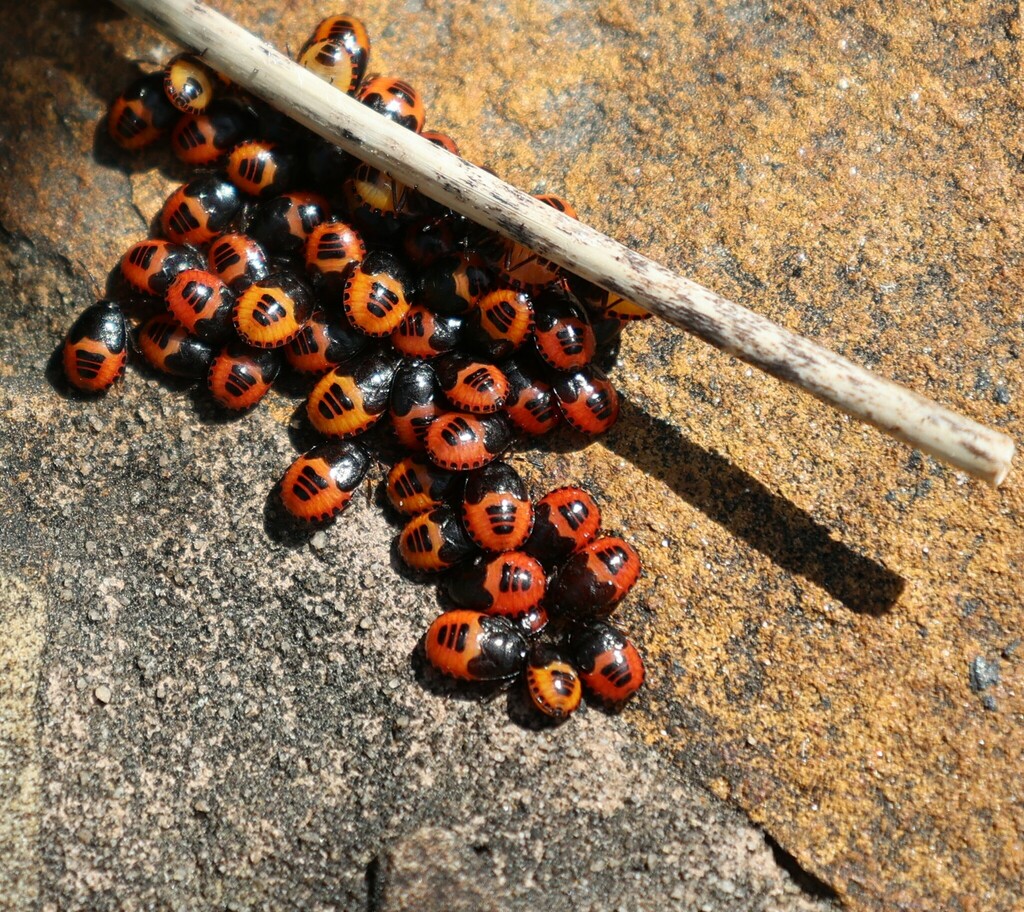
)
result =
(199, 713)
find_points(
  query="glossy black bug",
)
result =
(609, 665)
(434, 541)
(319, 484)
(475, 647)
(200, 210)
(347, 401)
(414, 403)
(496, 512)
(96, 348)
(511, 584)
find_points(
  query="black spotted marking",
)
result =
(542, 410)
(419, 540)
(268, 310)
(382, 300)
(160, 332)
(305, 342)
(89, 363)
(502, 518)
(413, 325)
(601, 404)
(574, 514)
(408, 485)
(569, 340)
(191, 136)
(458, 430)
(251, 169)
(224, 256)
(617, 673)
(328, 55)
(335, 402)
(130, 124)
(309, 484)
(142, 255)
(501, 316)
(197, 295)
(191, 90)
(182, 221)
(514, 578)
(481, 380)
(614, 557)
(332, 247)
(563, 682)
(239, 381)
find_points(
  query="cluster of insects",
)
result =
(285, 253)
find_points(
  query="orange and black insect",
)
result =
(323, 344)
(552, 682)
(202, 303)
(462, 442)
(261, 168)
(608, 663)
(475, 647)
(521, 267)
(201, 139)
(415, 486)
(374, 297)
(189, 84)
(284, 223)
(96, 348)
(150, 266)
(380, 205)
(470, 385)
(415, 403)
(530, 404)
(562, 333)
(141, 114)
(332, 249)
(511, 585)
(606, 303)
(331, 61)
(200, 210)
(425, 334)
(496, 512)
(319, 484)
(394, 99)
(454, 284)
(565, 520)
(433, 541)
(588, 400)
(441, 139)
(500, 323)
(238, 260)
(352, 33)
(347, 401)
(241, 376)
(594, 579)
(270, 313)
(170, 349)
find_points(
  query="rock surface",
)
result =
(197, 713)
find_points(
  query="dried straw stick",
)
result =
(908, 416)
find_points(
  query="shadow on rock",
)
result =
(441, 685)
(740, 503)
(281, 527)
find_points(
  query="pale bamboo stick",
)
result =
(256, 66)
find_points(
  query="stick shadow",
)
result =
(740, 503)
